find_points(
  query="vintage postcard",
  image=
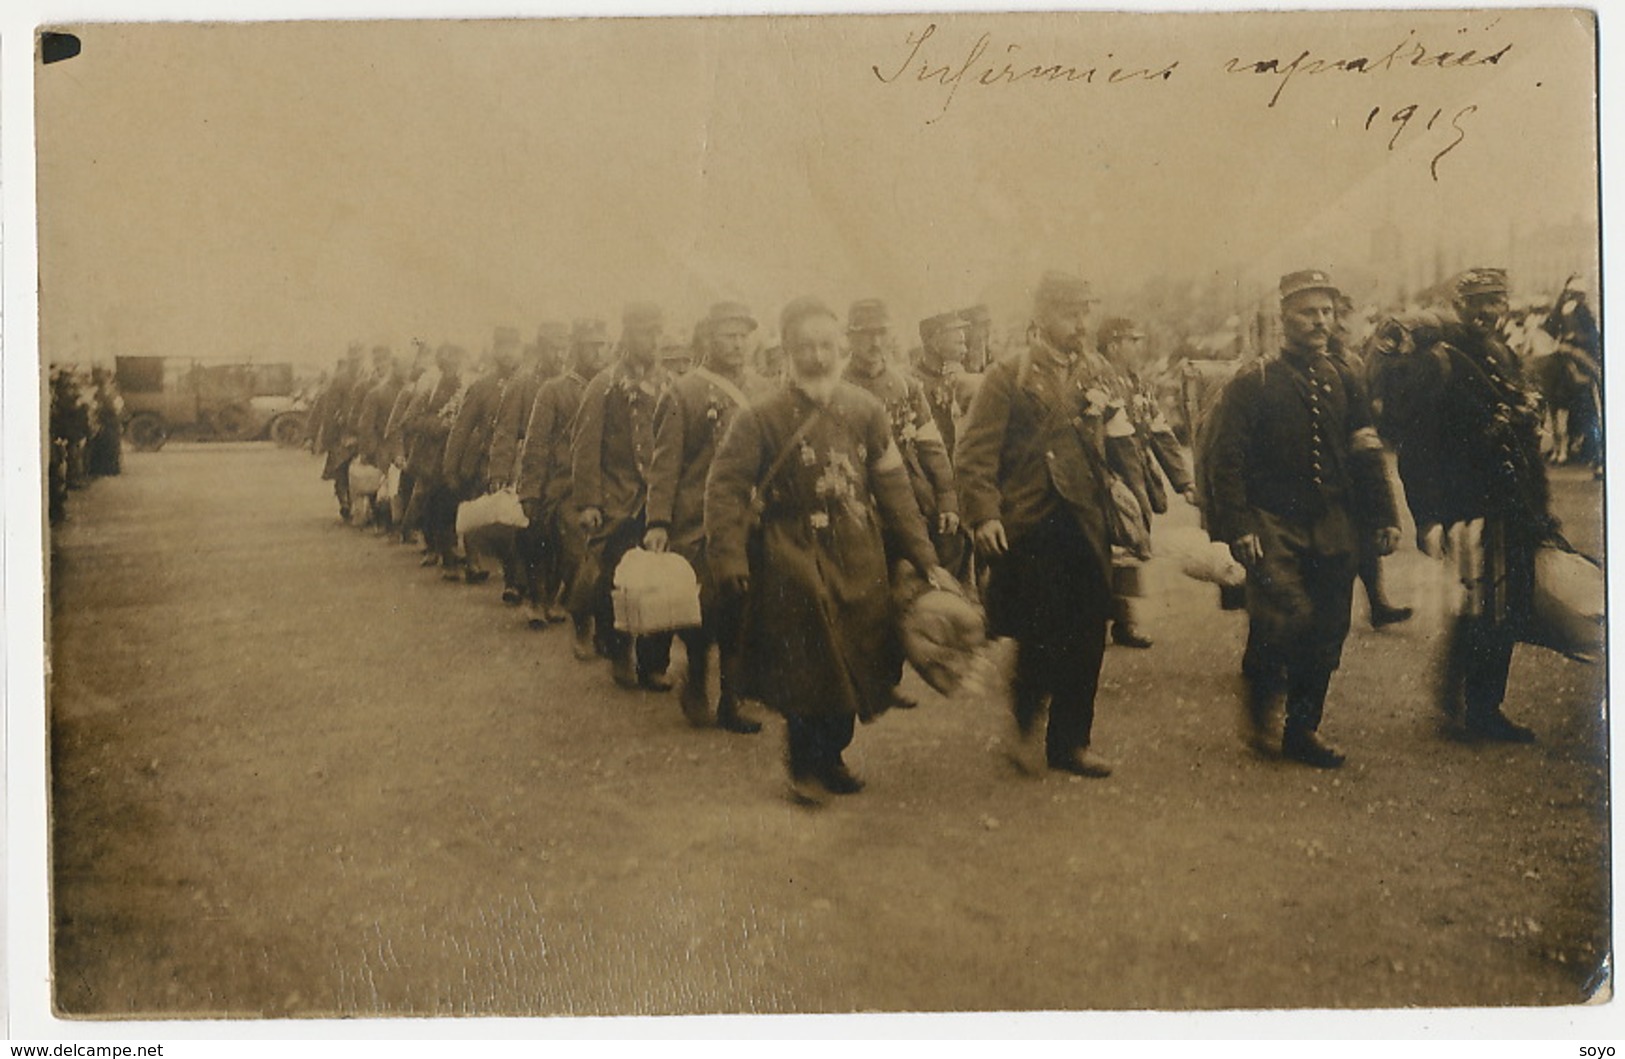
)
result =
(973, 512)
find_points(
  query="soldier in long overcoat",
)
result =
(1466, 424)
(822, 640)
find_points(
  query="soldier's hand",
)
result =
(591, 520)
(1387, 540)
(497, 484)
(990, 538)
(1430, 539)
(947, 524)
(1247, 550)
(1190, 495)
(737, 584)
(533, 508)
(655, 539)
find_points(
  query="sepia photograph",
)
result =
(822, 514)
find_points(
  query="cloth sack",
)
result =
(364, 478)
(1570, 604)
(499, 510)
(390, 486)
(655, 592)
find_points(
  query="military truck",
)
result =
(168, 397)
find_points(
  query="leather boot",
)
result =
(694, 699)
(623, 669)
(730, 718)
(585, 649)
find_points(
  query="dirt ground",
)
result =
(295, 774)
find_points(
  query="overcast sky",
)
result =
(277, 190)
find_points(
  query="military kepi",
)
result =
(932, 326)
(1481, 281)
(1309, 279)
(868, 314)
(1062, 288)
(724, 311)
(642, 314)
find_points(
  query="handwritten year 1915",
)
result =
(1400, 119)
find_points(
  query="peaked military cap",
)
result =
(505, 336)
(1307, 280)
(1063, 288)
(800, 309)
(552, 333)
(932, 326)
(868, 314)
(976, 315)
(723, 311)
(1481, 281)
(1118, 327)
(642, 314)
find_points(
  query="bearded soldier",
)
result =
(822, 639)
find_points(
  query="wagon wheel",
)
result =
(146, 432)
(288, 429)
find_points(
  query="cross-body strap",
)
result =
(722, 384)
(758, 496)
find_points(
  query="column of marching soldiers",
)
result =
(799, 479)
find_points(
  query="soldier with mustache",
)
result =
(1297, 476)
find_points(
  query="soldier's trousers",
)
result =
(722, 616)
(523, 563)
(815, 744)
(1050, 593)
(653, 652)
(1298, 602)
(341, 486)
(440, 520)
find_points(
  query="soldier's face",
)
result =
(506, 356)
(949, 347)
(729, 340)
(869, 347)
(589, 356)
(1484, 312)
(814, 347)
(1307, 320)
(1065, 325)
(1130, 350)
(641, 342)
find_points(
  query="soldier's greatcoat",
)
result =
(822, 635)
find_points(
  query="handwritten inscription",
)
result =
(1007, 66)
(1409, 52)
(1400, 121)
(986, 63)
